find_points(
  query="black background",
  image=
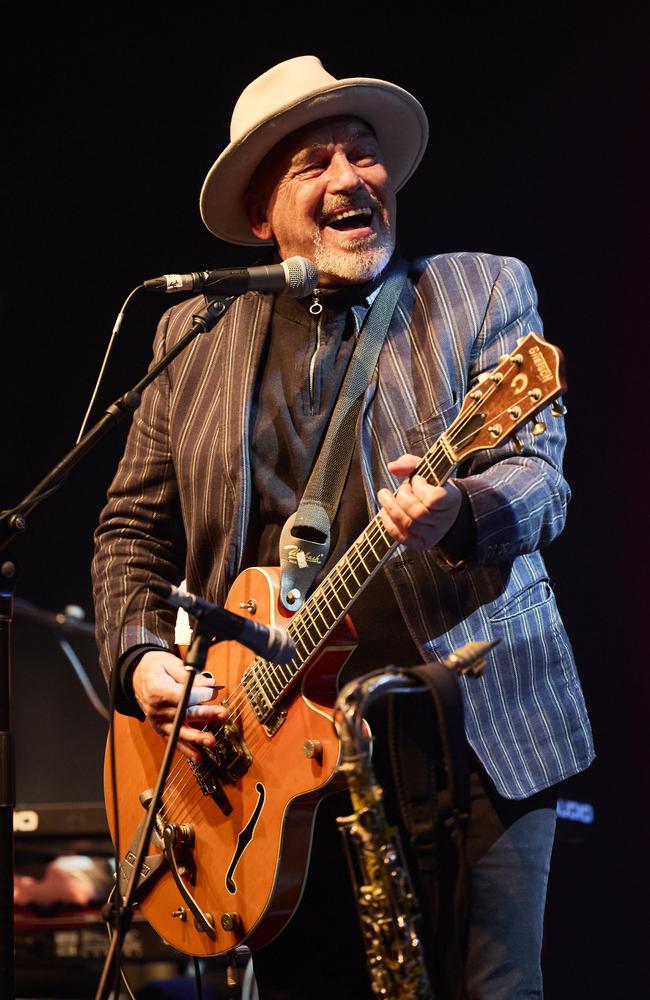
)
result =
(111, 122)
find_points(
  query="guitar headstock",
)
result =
(508, 396)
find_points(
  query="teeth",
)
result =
(348, 213)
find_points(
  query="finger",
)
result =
(433, 499)
(409, 521)
(404, 465)
(169, 686)
(199, 695)
(189, 751)
(395, 519)
(196, 718)
(188, 734)
(175, 669)
(207, 713)
(404, 507)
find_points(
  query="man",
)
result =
(221, 450)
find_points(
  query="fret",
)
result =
(355, 558)
(429, 464)
(314, 625)
(362, 561)
(334, 595)
(340, 576)
(445, 446)
(311, 624)
(348, 564)
(321, 607)
(300, 641)
(367, 535)
(282, 668)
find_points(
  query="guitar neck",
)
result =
(323, 610)
(500, 402)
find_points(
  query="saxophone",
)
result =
(388, 909)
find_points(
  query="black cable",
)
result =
(107, 354)
(198, 984)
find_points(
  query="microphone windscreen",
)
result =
(302, 276)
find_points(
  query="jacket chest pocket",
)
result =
(423, 435)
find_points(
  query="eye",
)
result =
(365, 160)
(313, 168)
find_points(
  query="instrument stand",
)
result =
(13, 522)
(194, 664)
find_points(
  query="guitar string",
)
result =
(300, 629)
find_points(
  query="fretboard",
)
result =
(267, 683)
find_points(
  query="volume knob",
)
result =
(313, 749)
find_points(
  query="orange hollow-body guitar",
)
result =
(231, 843)
(247, 865)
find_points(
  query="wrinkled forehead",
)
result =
(322, 133)
(343, 129)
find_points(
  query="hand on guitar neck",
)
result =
(419, 515)
(158, 682)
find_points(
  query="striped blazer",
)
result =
(181, 498)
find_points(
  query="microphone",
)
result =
(297, 275)
(272, 643)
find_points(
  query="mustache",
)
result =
(346, 203)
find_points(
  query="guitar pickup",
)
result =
(210, 784)
(226, 762)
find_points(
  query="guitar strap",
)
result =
(305, 537)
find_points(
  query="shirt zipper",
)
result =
(316, 309)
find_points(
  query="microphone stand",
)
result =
(194, 664)
(12, 523)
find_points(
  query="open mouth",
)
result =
(350, 220)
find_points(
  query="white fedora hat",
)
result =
(285, 98)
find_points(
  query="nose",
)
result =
(343, 174)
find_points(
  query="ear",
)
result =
(256, 212)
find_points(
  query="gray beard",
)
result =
(363, 259)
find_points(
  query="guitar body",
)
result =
(251, 862)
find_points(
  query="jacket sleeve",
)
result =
(139, 539)
(518, 501)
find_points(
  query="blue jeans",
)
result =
(509, 848)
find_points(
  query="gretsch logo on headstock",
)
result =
(539, 361)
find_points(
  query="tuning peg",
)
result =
(518, 445)
(538, 428)
(558, 409)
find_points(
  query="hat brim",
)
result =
(396, 117)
